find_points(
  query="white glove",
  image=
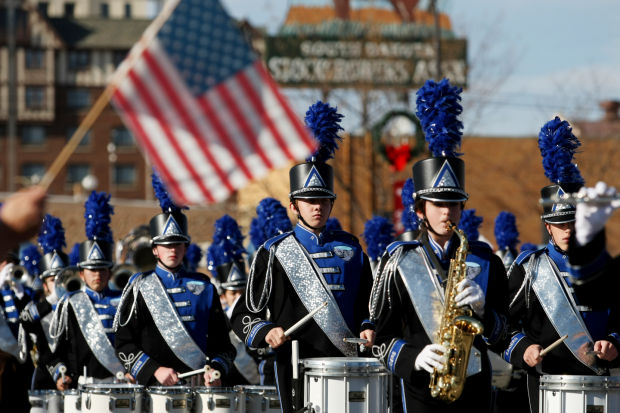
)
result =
(470, 294)
(432, 356)
(590, 217)
(5, 273)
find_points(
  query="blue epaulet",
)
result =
(525, 254)
(397, 244)
(133, 277)
(274, 240)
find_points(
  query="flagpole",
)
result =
(103, 99)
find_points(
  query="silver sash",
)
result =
(45, 323)
(561, 311)
(312, 290)
(169, 323)
(427, 297)
(8, 342)
(93, 332)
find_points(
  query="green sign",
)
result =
(377, 64)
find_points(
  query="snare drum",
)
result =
(219, 399)
(112, 397)
(260, 399)
(45, 401)
(346, 384)
(72, 401)
(176, 399)
(579, 394)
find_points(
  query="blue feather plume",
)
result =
(333, 224)
(165, 202)
(324, 122)
(51, 235)
(438, 109)
(74, 255)
(29, 258)
(409, 218)
(97, 212)
(528, 246)
(271, 220)
(193, 256)
(227, 243)
(506, 233)
(470, 223)
(558, 146)
(378, 233)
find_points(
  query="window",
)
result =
(32, 171)
(78, 98)
(35, 59)
(127, 10)
(86, 139)
(69, 9)
(35, 97)
(105, 10)
(33, 135)
(43, 6)
(77, 172)
(118, 56)
(125, 174)
(122, 137)
(78, 59)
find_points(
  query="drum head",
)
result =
(112, 388)
(169, 390)
(214, 390)
(343, 365)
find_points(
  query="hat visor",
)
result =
(444, 196)
(234, 286)
(172, 239)
(313, 194)
(559, 218)
(95, 265)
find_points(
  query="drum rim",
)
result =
(343, 364)
(161, 390)
(111, 388)
(214, 390)
(37, 392)
(574, 382)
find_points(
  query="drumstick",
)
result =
(553, 345)
(214, 375)
(62, 370)
(303, 320)
(355, 340)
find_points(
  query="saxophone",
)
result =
(457, 330)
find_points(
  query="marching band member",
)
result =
(407, 297)
(37, 316)
(225, 260)
(82, 321)
(296, 272)
(170, 321)
(545, 303)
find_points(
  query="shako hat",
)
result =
(441, 177)
(52, 240)
(315, 178)
(97, 251)
(507, 237)
(557, 146)
(225, 255)
(169, 227)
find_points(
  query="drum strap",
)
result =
(561, 311)
(8, 342)
(427, 297)
(169, 323)
(93, 332)
(312, 290)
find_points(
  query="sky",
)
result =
(529, 60)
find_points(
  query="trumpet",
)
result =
(575, 198)
(16, 272)
(68, 280)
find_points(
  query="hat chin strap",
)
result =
(299, 217)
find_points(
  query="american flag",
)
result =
(204, 108)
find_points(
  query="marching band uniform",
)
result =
(82, 322)
(37, 316)
(227, 265)
(170, 317)
(407, 297)
(546, 303)
(295, 272)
